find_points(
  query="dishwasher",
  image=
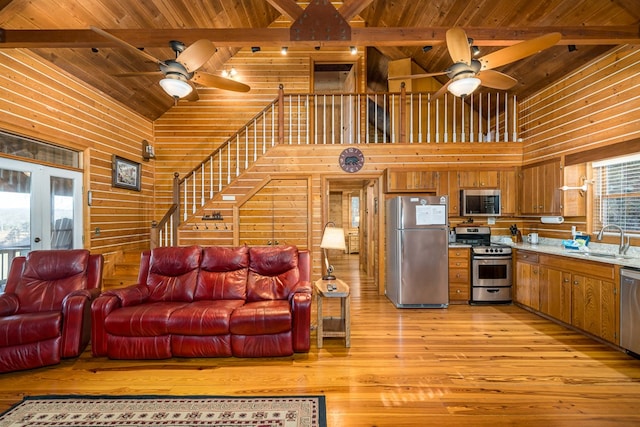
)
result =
(630, 311)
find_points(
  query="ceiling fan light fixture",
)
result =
(464, 87)
(175, 86)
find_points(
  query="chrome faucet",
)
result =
(623, 246)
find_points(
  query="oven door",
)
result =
(491, 271)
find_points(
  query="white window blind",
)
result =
(617, 193)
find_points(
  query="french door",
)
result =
(40, 208)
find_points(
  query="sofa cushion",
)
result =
(273, 272)
(173, 272)
(261, 317)
(143, 320)
(30, 328)
(49, 276)
(223, 273)
(203, 318)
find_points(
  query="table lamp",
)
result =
(332, 238)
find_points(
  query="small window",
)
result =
(616, 197)
(355, 212)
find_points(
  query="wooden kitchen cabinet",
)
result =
(593, 306)
(527, 286)
(555, 293)
(540, 188)
(574, 202)
(478, 179)
(454, 193)
(577, 292)
(398, 181)
(459, 273)
(508, 183)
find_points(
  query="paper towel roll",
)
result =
(552, 219)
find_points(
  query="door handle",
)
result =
(37, 240)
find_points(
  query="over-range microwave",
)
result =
(476, 202)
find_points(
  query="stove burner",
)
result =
(492, 249)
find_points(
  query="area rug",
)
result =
(144, 411)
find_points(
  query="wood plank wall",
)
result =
(320, 164)
(189, 132)
(594, 107)
(40, 101)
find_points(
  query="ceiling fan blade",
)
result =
(193, 96)
(441, 91)
(139, 74)
(458, 45)
(127, 45)
(417, 76)
(496, 80)
(518, 51)
(211, 80)
(196, 55)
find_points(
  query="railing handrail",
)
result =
(226, 143)
(340, 118)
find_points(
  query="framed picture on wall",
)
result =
(125, 173)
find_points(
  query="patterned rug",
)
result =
(178, 411)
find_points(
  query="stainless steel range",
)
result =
(491, 264)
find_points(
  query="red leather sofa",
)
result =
(45, 310)
(208, 302)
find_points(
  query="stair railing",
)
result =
(337, 118)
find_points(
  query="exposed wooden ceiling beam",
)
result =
(350, 9)
(288, 8)
(275, 37)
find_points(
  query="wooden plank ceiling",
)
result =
(58, 30)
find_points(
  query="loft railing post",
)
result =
(402, 113)
(281, 114)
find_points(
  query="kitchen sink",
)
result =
(607, 255)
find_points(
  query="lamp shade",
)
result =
(464, 87)
(175, 86)
(333, 238)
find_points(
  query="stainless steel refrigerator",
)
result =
(417, 252)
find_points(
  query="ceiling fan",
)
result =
(180, 75)
(467, 73)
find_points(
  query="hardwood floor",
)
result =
(465, 365)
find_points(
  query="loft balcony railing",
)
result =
(338, 118)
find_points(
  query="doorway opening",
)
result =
(352, 204)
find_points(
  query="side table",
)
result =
(334, 326)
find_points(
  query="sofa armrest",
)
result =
(76, 318)
(131, 295)
(8, 304)
(300, 300)
(104, 304)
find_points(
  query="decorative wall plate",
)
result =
(351, 160)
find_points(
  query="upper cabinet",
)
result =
(508, 192)
(414, 181)
(574, 202)
(540, 188)
(478, 179)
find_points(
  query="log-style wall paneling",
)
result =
(189, 132)
(320, 163)
(41, 101)
(597, 105)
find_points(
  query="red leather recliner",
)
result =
(45, 312)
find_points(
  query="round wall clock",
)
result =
(351, 160)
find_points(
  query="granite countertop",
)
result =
(596, 251)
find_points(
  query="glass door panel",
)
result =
(40, 208)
